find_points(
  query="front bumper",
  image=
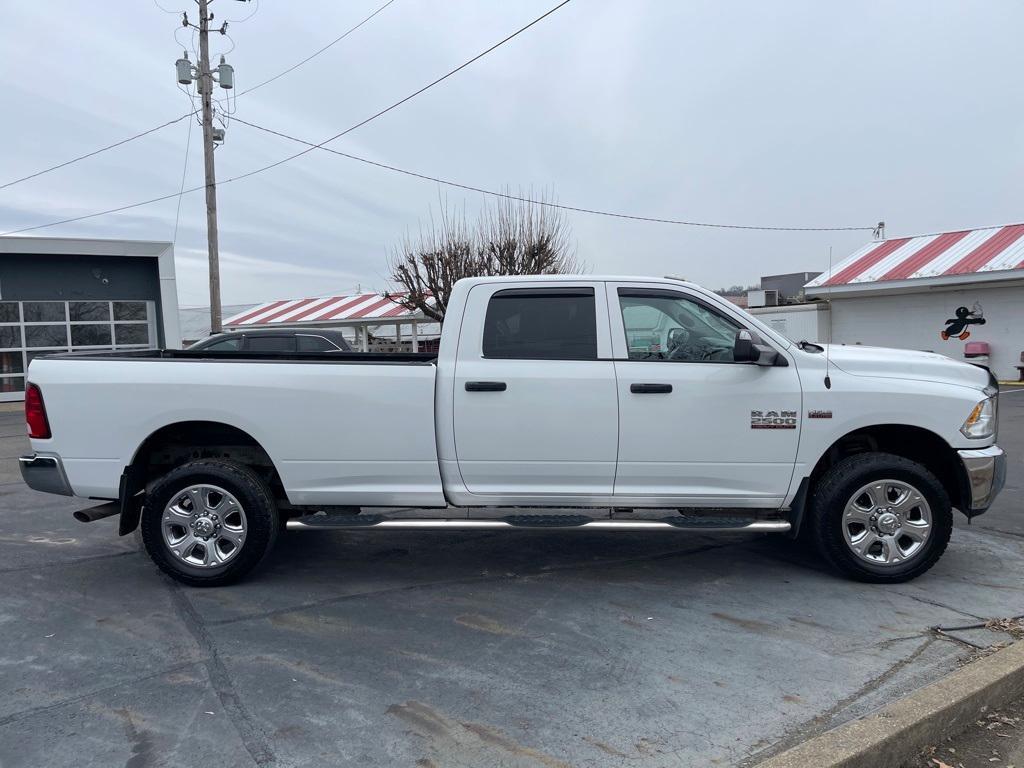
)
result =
(985, 470)
(42, 472)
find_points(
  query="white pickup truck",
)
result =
(615, 404)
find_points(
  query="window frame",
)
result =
(544, 291)
(333, 346)
(620, 341)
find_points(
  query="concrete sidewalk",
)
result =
(522, 649)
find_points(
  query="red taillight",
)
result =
(35, 413)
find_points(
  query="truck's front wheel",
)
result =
(209, 522)
(880, 518)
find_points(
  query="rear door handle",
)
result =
(650, 389)
(486, 386)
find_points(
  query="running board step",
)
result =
(539, 522)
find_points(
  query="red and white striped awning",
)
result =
(356, 308)
(943, 257)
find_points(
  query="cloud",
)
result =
(247, 278)
(805, 114)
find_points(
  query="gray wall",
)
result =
(52, 277)
(789, 286)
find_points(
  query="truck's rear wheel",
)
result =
(880, 518)
(209, 522)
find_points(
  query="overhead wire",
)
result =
(167, 10)
(413, 95)
(309, 149)
(547, 203)
(181, 189)
(182, 117)
(313, 55)
(97, 151)
(254, 12)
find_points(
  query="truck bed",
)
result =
(340, 427)
(377, 358)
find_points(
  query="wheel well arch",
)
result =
(175, 444)
(182, 441)
(911, 442)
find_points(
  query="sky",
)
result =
(803, 114)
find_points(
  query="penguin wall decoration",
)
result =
(957, 326)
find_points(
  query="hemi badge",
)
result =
(819, 414)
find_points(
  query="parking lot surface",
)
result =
(472, 649)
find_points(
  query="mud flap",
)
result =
(131, 497)
(796, 508)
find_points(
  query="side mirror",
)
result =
(749, 348)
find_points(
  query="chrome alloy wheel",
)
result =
(204, 526)
(887, 522)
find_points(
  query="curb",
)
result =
(897, 733)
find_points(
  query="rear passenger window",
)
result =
(541, 324)
(227, 345)
(315, 344)
(270, 343)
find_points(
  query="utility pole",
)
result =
(205, 81)
(204, 78)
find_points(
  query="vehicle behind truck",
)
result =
(568, 403)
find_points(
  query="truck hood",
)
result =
(906, 364)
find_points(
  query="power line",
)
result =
(104, 213)
(548, 204)
(448, 182)
(255, 171)
(97, 151)
(179, 119)
(181, 189)
(312, 56)
(254, 12)
(166, 10)
(410, 97)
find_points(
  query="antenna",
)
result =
(828, 379)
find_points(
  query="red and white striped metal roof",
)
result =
(359, 307)
(945, 256)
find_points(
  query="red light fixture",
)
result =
(35, 414)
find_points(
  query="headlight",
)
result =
(982, 421)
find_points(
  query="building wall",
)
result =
(66, 277)
(789, 286)
(915, 320)
(797, 322)
(68, 294)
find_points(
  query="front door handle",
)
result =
(650, 389)
(486, 386)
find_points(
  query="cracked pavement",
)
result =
(474, 649)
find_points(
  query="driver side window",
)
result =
(665, 325)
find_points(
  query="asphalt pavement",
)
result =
(472, 649)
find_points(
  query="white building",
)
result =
(933, 292)
(799, 322)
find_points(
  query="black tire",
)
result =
(261, 521)
(835, 489)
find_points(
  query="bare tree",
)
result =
(518, 235)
